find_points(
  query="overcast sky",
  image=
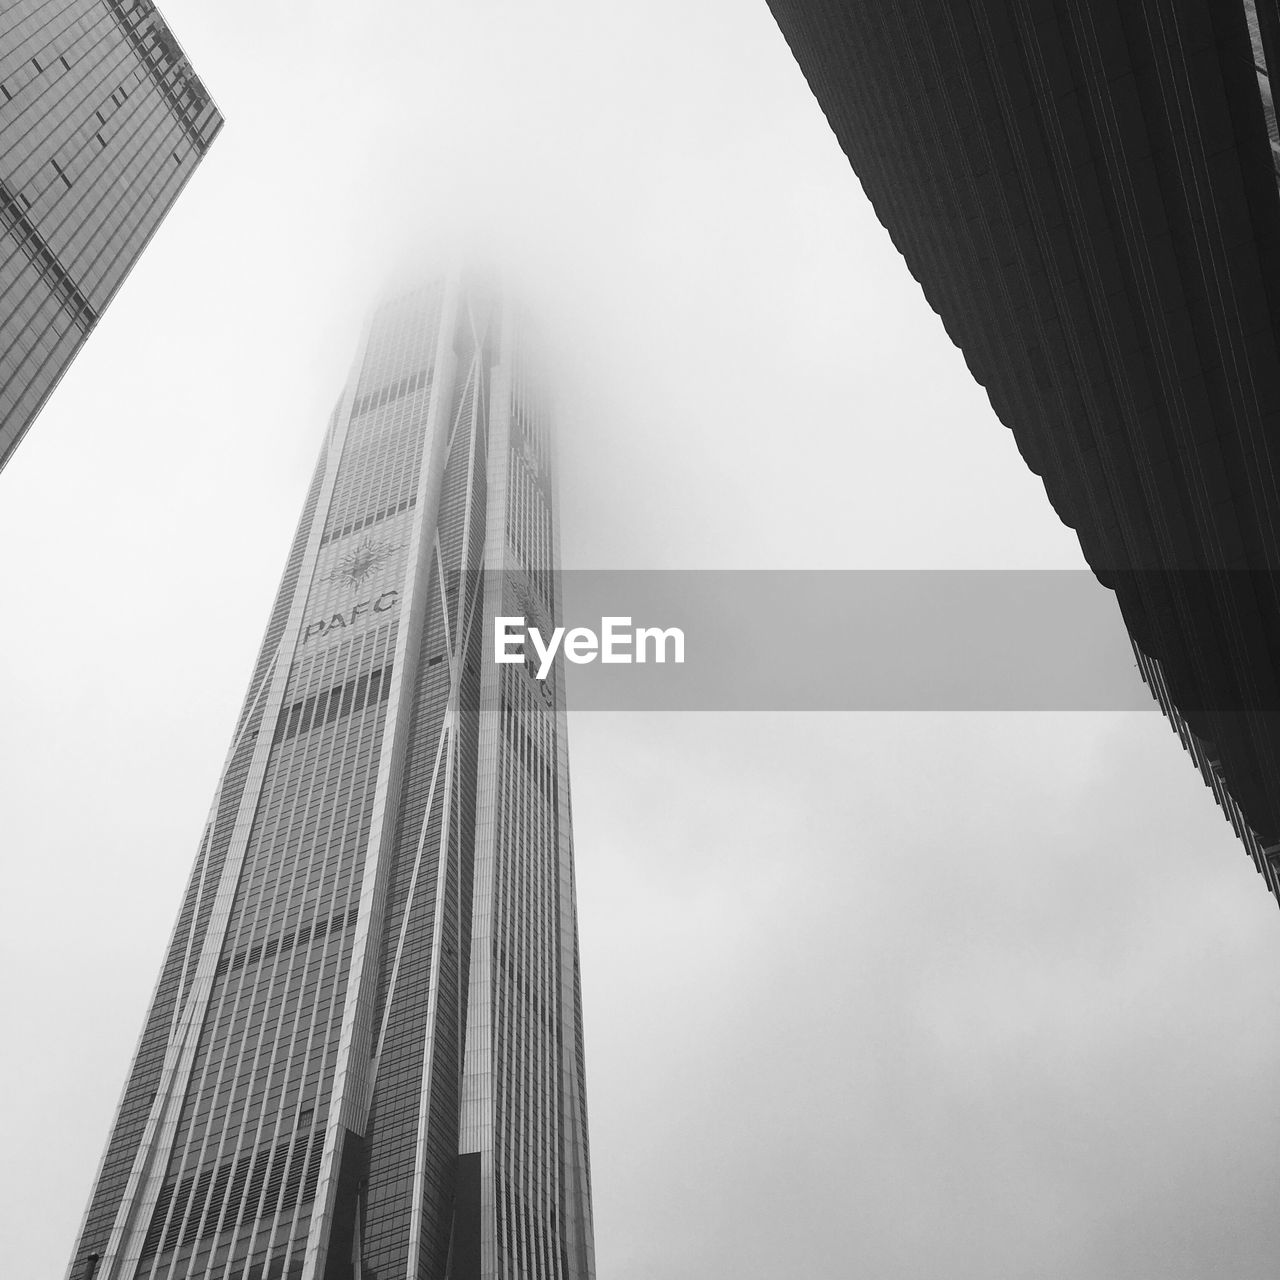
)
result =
(885, 995)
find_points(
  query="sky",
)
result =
(888, 994)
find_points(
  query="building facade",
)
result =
(102, 121)
(1086, 192)
(364, 1059)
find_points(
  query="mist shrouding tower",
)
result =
(102, 121)
(363, 1059)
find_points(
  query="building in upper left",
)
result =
(102, 121)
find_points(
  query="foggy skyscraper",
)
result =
(364, 1054)
(102, 121)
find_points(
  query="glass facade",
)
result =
(364, 1056)
(1088, 200)
(102, 121)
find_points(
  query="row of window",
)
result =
(268, 1179)
(385, 395)
(354, 526)
(286, 942)
(333, 703)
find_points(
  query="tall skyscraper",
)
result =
(102, 121)
(363, 1059)
(1087, 194)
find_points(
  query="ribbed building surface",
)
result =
(1086, 192)
(364, 1057)
(102, 121)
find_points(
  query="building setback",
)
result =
(102, 121)
(364, 1059)
(1086, 192)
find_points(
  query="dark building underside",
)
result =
(1086, 192)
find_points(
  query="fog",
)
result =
(892, 994)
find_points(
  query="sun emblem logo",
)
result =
(362, 562)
